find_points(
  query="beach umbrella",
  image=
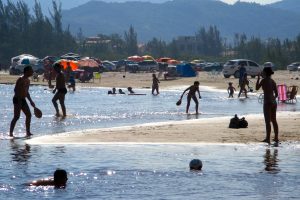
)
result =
(173, 62)
(65, 63)
(88, 62)
(148, 57)
(135, 58)
(164, 59)
(27, 60)
(197, 61)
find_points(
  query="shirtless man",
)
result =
(192, 95)
(270, 105)
(19, 101)
(60, 91)
(59, 180)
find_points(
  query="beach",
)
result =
(213, 130)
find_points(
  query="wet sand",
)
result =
(191, 131)
(213, 130)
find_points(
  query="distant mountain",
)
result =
(68, 4)
(182, 17)
(288, 5)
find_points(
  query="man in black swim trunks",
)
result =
(192, 95)
(60, 91)
(19, 101)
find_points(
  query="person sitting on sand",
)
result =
(192, 95)
(130, 90)
(270, 105)
(19, 100)
(121, 91)
(230, 90)
(60, 90)
(59, 180)
(114, 91)
(243, 84)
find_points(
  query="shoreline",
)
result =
(191, 131)
(197, 131)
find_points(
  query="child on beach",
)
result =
(155, 85)
(270, 105)
(72, 83)
(60, 91)
(19, 101)
(230, 90)
(192, 95)
(59, 180)
(243, 84)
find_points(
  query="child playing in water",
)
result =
(230, 90)
(192, 95)
(155, 86)
(72, 83)
(19, 101)
(243, 84)
(270, 105)
(60, 91)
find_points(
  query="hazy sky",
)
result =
(257, 1)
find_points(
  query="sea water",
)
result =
(253, 171)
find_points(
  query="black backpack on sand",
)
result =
(243, 123)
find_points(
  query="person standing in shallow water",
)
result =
(20, 103)
(155, 86)
(60, 91)
(192, 95)
(270, 105)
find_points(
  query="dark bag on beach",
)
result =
(243, 123)
(234, 122)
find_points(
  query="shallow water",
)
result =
(142, 171)
(153, 171)
(90, 108)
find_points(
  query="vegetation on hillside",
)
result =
(22, 32)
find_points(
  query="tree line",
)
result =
(39, 35)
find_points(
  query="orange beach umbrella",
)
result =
(65, 63)
(164, 59)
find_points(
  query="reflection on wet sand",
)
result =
(271, 161)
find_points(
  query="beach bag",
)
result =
(243, 123)
(234, 122)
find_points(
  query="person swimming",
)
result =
(59, 180)
(121, 91)
(130, 90)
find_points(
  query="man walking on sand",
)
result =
(20, 103)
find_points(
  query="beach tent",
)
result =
(185, 70)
